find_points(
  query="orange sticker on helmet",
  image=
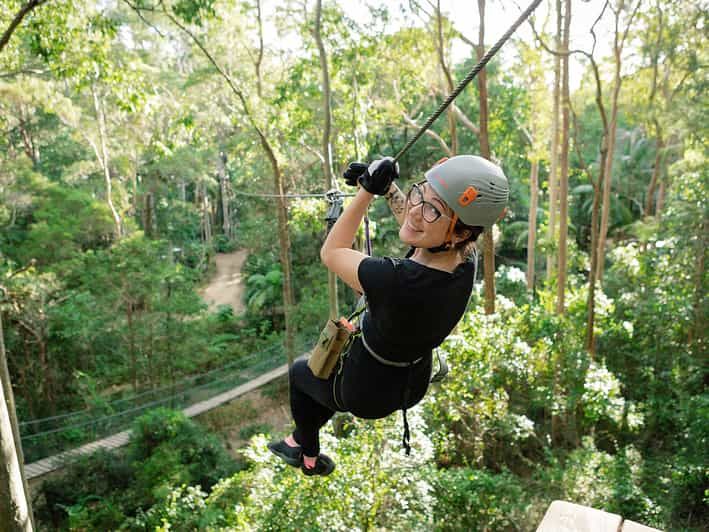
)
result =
(468, 196)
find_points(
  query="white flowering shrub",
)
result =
(511, 282)
(374, 486)
(601, 396)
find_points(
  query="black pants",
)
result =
(366, 388)
(311, 404)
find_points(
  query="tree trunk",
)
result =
(148, 214)
(15, 500)
(14, 503)
(440, 47)
(595, 257)
(608, 172)
(554, 155)
(284, 239)
(134, 185)
(532, 233)
(618, 44)
(259, 55)
(326, 146)
(660, 204)
(104, 160)
(224, 192)
(564, 165)
(697, 330)
(488, 243)
(30, 146)
(656, 171)
(131, 347)
(206, 217)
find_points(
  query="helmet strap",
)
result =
(448, 242)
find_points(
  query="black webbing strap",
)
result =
(406, 439)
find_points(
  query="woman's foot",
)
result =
(291, 455)
(321, 465)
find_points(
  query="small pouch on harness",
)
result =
(334, 339)
(331, 342)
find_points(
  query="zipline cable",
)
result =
(473, 73)
(255, 195)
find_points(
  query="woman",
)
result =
(413, 303)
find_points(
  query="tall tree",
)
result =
(564, 163)
(224, 190)
(14, 503)
(102, 155)
(531, 67)
(441, 49)
(553, 184)
(619, 39)
(326, 145)
(15, 497)
(488, 242)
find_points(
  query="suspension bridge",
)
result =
(49, 443)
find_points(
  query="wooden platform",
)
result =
(562, 516)
(52, 463)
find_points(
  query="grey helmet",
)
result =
(476, 189)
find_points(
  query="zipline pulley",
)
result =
(334, 199)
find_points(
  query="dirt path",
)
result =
(226, 287)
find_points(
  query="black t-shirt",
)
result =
(412, 308)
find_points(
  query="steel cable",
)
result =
(471, 75)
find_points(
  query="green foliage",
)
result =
(264, 290)
(527, 413)
(612, 482)
(110, 490)
(251, 430)
(477, 500)
(84, 492)
(375, 486)
(56, 224)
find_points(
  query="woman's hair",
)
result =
(466, 246)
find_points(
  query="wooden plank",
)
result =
(232, 394)
(562, 516)
(52, 463)
(632, 526)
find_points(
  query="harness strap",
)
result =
(385, 361)
(406, 439)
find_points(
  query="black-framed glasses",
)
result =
(429, 211)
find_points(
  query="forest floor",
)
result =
(226, 287)
(262, 410)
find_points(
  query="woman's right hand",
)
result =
(375, 178)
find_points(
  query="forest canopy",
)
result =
(143, 138)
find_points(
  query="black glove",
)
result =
(354, 172)
(375, 178)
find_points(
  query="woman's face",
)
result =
(427, 218)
